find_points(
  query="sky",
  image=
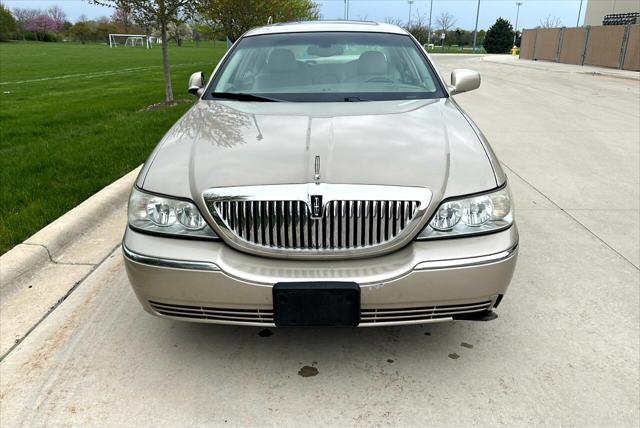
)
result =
(464, 11)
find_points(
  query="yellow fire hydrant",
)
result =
(514, 50)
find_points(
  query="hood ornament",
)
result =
(317, 174)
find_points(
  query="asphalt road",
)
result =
(564, 351)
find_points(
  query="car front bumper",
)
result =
(427, 281)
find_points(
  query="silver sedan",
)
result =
(325, 176)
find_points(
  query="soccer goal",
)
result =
(129, 40)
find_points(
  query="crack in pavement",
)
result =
(59, 302)
(56, 262)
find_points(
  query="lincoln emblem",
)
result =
(316, 206)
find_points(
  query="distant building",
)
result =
(597, 9)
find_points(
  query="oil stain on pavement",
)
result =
(308, 371)
(265, 332)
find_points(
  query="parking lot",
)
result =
(564, 350)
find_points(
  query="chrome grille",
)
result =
(368, 316)
(344, 224)
(420, 314)
(354, 219)
(254, 316)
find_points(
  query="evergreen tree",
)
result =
(499, 37)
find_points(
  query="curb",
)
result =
(40, 273)
(49, 242)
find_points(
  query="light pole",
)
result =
(346, 10)
(475, 32)
(409, 21)
(518, 3)
(429, 35)
(579, 12)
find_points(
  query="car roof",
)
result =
(314, 26)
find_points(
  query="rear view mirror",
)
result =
(196, 83)
(325, 51)
(463, 80)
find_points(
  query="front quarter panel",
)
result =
(501, 177)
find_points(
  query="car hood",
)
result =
(424, 143)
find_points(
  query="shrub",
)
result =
(420, 32)
(499, 37)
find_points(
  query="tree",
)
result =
(499, 37)
(179, 31)
(57, 14)
(23, 16)
(480, 37)
(159, 13)
(550, 22)
(82, 31)
(418, 30)
(235, 17)
(43, 25)
(445, 21)
(123, 17)
(7, 24)
(393, 21)
(103, 28)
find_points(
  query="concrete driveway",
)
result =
(564, 351)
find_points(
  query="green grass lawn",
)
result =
(70, 122)
(455, 49)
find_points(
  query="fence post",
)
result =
(586, 44)
(560, 40)
(623, 47)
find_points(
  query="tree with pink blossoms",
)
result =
(42, 25)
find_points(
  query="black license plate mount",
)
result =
(316, 304)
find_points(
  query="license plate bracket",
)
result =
(316, 304)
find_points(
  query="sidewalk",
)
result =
(40, 273)
(561, 68)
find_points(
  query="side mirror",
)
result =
(196, 83)
(463, 80)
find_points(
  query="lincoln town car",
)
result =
(325, 176)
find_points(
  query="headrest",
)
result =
(372, 62)
(281, 61)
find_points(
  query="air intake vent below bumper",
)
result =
(421, 314)
(369, 317)
(258, 316)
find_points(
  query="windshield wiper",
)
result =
(242, 97)
(354, 99)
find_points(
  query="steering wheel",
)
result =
(380, 79)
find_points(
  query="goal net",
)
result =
(129, 40)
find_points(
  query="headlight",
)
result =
(167, 216)
(479, 214)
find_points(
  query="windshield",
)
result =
(326, 66)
